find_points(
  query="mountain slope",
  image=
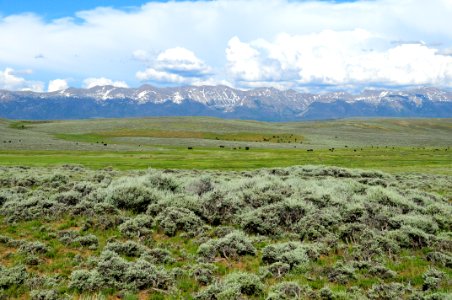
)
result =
(221, 101)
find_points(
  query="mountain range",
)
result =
(266, 104)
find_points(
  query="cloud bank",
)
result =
(246, 43)
(13, 80)
(102, 81)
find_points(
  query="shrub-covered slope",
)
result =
(293, 233)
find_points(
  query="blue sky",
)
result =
(306, 45)
(51, 9)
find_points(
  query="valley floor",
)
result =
(392, 145)
(204, 208)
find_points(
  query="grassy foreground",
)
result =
(282, 233)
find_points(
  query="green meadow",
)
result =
(392, 145)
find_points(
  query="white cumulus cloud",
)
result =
(151, 74)
(141, 55)
(10, 80)
(102, 81)
(278, 43)
(57, 85)
(329, 57)
(182, 61)
(174, 65)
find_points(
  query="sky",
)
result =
(305, 45)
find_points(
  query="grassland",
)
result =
(395, 160)
(210, 209)
(392, 145)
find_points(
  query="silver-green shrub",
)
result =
(232, 245)
(128, 248)
(131, 194)
(291, 253)
(174, 219)
(203, 272)
(45, 295)
(136, 227)
(14, 276)
(432, 279)
(386, 291)
(275, 218)
(233, 287)
(287, 290)
(341, 273)
(218, 207)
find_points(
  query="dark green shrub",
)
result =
(231, 246)
(174, 219)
